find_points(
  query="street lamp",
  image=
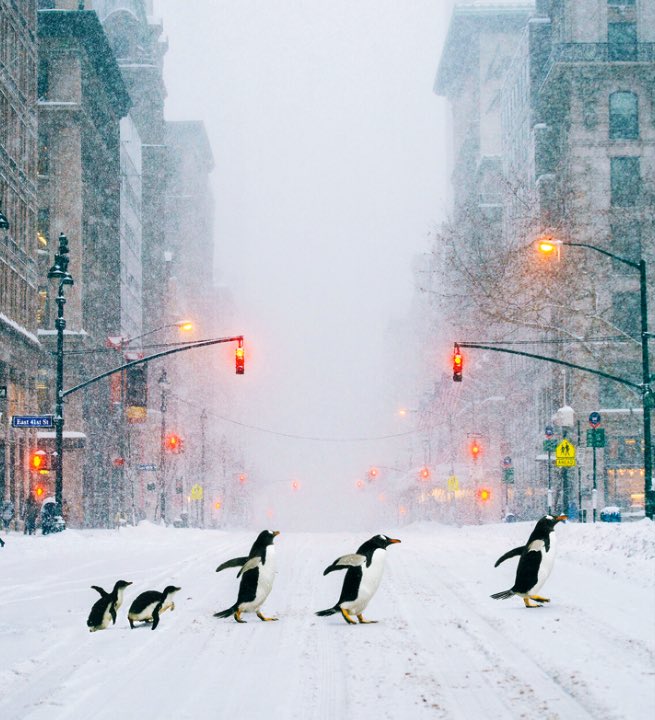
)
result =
(59, 272)
(164, 387)
(548, 245)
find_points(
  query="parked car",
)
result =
(51, 517)
(611, 513)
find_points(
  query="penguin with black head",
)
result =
(536, 561)
(105, 609)
(364, 571)
(149, 605)
(257, 574)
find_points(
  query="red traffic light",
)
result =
(458, 364)
(243, 478)
(425, 473)
(373, 473)
(239, 358)
(484, 495)
(295, 485)
(39, 461)
(173, 443)
(39, 491)
(475, 450)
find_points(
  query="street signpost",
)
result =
(29, 422)
(595, 439)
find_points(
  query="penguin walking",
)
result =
(105, 609)
(536, 561)
(149, 606)
(363, 574)
(257, 574)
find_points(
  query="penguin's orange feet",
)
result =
(361, 619)
(528, 604)
(237, 617)
(347, 617)
(538, 598)
(264, 618)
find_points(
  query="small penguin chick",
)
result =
(104, 609)
(364, 570)
(536, 561)
(149, 605)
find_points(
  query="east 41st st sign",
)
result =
(29, 422)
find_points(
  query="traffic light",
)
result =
(39, 491)
(243, 478)
(239, 358)
(458, 364)
(373, 473)
(173, 443)
(484, 494)
(136, 380)
(217, 505)
(40, 461)
(295, 485)
(425, 473)
(476, 449)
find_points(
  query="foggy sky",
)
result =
(330, 152)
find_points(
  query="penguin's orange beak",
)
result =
(276, 533)
(561, 518)
(393, 540)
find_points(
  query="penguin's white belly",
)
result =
(145, 614)
(371, 577)
(264, 584)
(105, 622)
(546, 564)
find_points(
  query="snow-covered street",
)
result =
(442, 647)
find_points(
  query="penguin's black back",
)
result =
(98, 611)
(144, 599)
(527, 572)
(351, 583)
(248, 586)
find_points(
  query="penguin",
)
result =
(363, 574)
(536, 561)
(149, 606)
(257, 574)
(105, 609)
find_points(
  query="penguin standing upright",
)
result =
(363, 574)
(105, 609)
(257, 574)
(149, 606)
(536, 561)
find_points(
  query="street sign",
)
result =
(594, 419)
(565, 454)
(3, 392)
(507, 461)
(508, 475)
(147, 467)
(196, 492)
(27, 422)
(550, 445)
(596, 438)
(549, 431)
(453, 483)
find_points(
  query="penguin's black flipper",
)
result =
(235, 562)
(112, 612)
(345, 562)
(155, 616)
(103, 593)
(509, 554)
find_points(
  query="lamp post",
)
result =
(548, 245)
(59, 272)
(164, 387)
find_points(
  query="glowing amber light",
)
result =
(484, 494)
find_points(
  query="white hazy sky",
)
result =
(331, 152)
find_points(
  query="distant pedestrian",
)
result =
(31, 511)
(7, 513)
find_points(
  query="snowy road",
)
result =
(442, 648)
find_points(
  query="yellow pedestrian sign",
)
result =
(565, 454)
(453, 483)
(196, 492)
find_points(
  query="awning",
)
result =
(72, 438)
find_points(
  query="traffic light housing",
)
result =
(136, 391)
(476, 449)
(458, 364)
(173, 443)
(40, 461)
(239, 358)
(39, 491)
(484, 494)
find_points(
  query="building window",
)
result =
(625, 181)
(622, 40)
(626, 243)
(624, 116)
(621, 3)
(43, 80)
(626, 313)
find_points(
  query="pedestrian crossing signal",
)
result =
(239, 358)
(458, 364)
